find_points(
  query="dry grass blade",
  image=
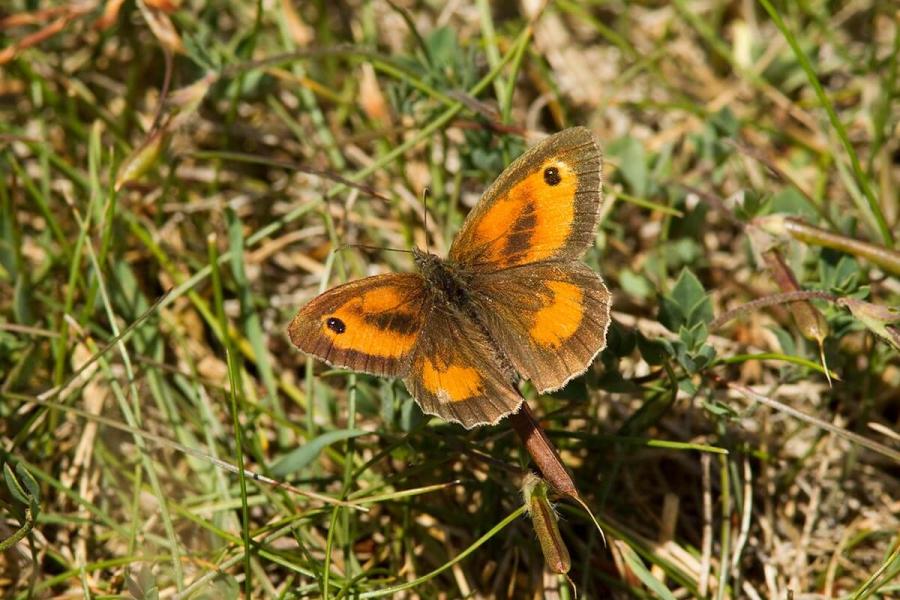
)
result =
(865, 442)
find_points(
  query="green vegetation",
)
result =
(177, 178)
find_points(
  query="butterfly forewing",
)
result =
(456, 373)
(543, 207)
(370, 325)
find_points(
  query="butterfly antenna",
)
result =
(425, 193)
(343, 247)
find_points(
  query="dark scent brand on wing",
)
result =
(395, 322)
(520, 233)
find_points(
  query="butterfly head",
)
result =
(425, 260)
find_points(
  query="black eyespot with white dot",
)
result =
(552, 176)
(336, 325)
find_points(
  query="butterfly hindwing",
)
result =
(544, 206)
(457, 375)
(549, 319)
(370, 325)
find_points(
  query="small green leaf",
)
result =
(688, 291)
(302, 456)
(671, 314)
(15, 488)
(785, 340)
(754, 204)
(34, 490)
(695, 336)
(687, 386)
(486, 160)
(388, 398)
(686, 305)
(411, 416)
(792, 202)
(196, 50)
(632, 163)
(718, 409)
(705, 356)
(654, 351)
(442, 47)
(684, 358)
(701, 313)
(841, 278)
(634, 284)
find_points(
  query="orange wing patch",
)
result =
(532, 221)
(450, 383)
(379, 323)
(560, 317)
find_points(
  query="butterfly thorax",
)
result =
(444, 278)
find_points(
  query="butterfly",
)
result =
(512, 297)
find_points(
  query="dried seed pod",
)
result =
(142, 159)
(547, 459)
(809, 320)
(543, 452)
(544, 520)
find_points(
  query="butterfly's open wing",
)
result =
(456, 374)
(550, 318)
(544, 206)
(370, 325)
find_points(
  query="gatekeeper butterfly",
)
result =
(512, 296)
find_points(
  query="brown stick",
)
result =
(885, 258)
(542, 451)
(547, 459)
